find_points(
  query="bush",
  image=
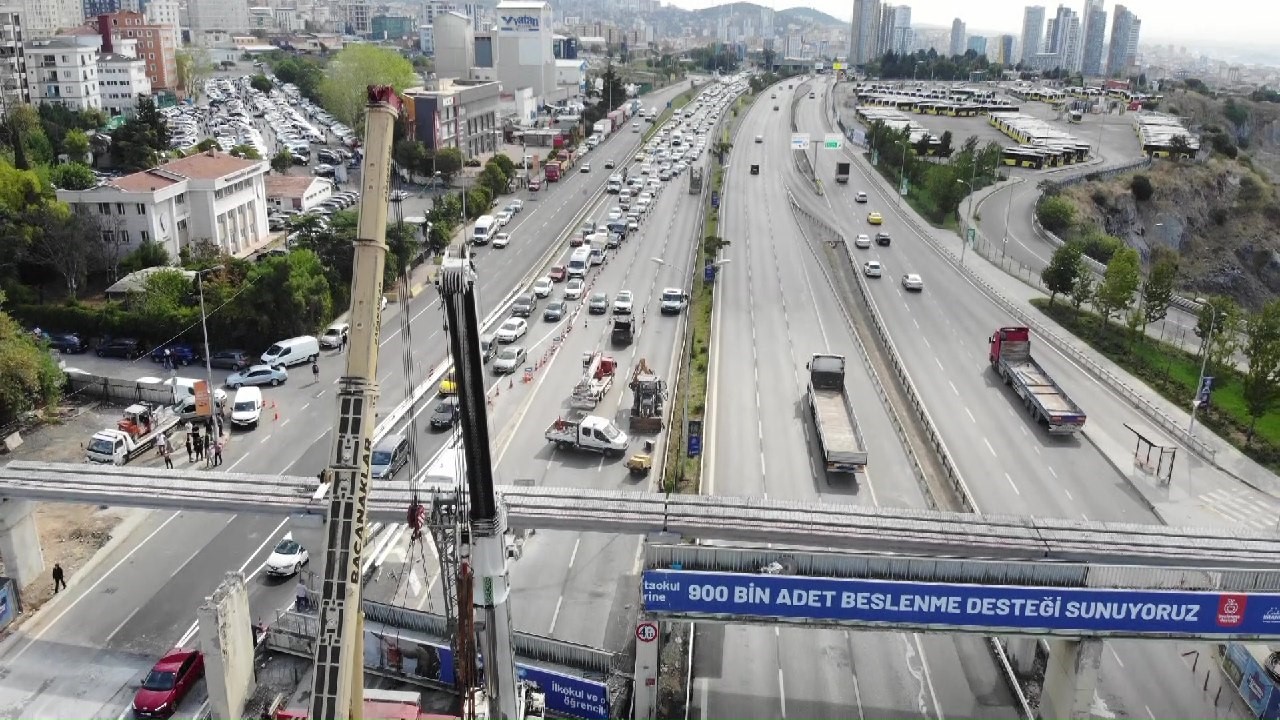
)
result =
(1098, 245)
(1141, 188)
(1223, 145)
(1219, 216)
(1100, 199)
(1056, 214)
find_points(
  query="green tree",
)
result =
(75, 145)
(65, 243)
(1224, 344)
(402, 247)
(282, 161)
(1060, 275)
(29, 376)
(194, 66)
(1056, 213)
(479, 200)
(72, 176)
(289, 296)
(1157, 289)
(260, 83)
(207, 144)
(149, 253)
(352, 70)
(1119, 283)
(447, 162)
(609, 90)
(304, 73)
(493, 179)
(1211, 319)
(1261, 385)
(134, 145)
(1083, 290)
(248, 152)
(507, 165)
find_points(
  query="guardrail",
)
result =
(800, 157)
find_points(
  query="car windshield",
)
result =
(288, 547)
(610, 432)
(331, 332)
(274, 350)
(157, 680)
(244, 406)
(443, 408)
(512, 326)
(381, 457)
(670, 296)
(100, 445)
(508, 354)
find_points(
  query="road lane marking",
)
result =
(782, 693)
(555, 616)
(953, 388)
(988, 444)
(935, 359)
(971, 417)
(1119, 662)
(1148, 709)
(1054, 474)
(1015, 487)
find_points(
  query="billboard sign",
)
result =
(1046, 610)
(800, 141)
(519, 23)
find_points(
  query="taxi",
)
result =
(875, 218)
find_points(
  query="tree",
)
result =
(402, 247)
(1157, 289)
(479, 200)
(290, 296)
(135, 144)
(1082, 291)
(248, 152)
(1056, 213)
(65, 243)
(304, 73)
(207, 144)
(507, 165)
(1262, 348)
(447, 162)
(944, 147)
(1060, 274)
(72, 176)
(29, 377)
(75, 145)
(1179, 146)
(412, 155)
(1141, 187)
(609, 89)
(149, 253)
(348, 75)
(194, 66)
(1211, 320)
(1226, 343)
(1115, 293)
(260, 83)
(493, 179)
(282, 161)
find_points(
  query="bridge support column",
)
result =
(226, 637)
(645, 685)
(1021, 651)
(19, 541)
(1071, 678)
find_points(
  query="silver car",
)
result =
(257, 375)
(509, 359)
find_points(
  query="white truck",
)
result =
(601, 129)
(134, 434)
(833, 415)
(591, 433)
(597, 379)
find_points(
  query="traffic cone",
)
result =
(511, 384)
(277, 412)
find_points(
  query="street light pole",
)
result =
(1204, 360)
(204, 329)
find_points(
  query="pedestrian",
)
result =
(342, 343)
(189, 457)
(303, 601)
(198, 442)
(208, 451)
(315, 370)
(168, 458)
(162, 444)
(218, 423)
(217, 452)
(59, 579)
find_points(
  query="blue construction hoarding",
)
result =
(1252, 681)
(1064, 611)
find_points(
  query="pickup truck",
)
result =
(842, 172)
(1010, 357)
(135, 433)
(623, 331)
(833, 415)
(591, 433)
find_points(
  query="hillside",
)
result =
(799, 16)
(1254, 126)
(1221, 215)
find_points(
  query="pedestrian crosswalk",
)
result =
(1244, 506)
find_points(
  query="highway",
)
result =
(142, 601)
(773, 297)
(1010, 464)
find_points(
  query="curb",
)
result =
(1138, 488)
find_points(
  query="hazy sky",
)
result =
(1219, 23)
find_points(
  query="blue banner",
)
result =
(567, 695)
(975, 607)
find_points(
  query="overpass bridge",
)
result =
(1073, 582)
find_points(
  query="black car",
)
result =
(180, 353)
(66, 343)
(127, 348)
(446, 413)
(230, 359)
(755, 169)
(882, 238)
(524, 305)
(329, 156)
(554, 312)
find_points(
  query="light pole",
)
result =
(204, 329)
(902, 169)
(1204, 360)
(964, 240)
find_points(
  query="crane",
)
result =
(338, 689)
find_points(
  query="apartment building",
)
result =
(155, 45)
(63, 71)
(14, 88)
(121, 79)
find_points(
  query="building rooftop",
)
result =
(145, 181)
(58, 41)
(290, 186)
(209, 165)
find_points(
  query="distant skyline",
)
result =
(1230, 21)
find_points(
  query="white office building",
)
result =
(208, 195)
(45, 18)
(523, 55)
(121, 79)
(63, 71)
(205, 16)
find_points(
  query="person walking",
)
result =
(162, 445)
(315, 370)
(198, 443)
(59, 578)
(300, 596)
(168, 458)
(189, 457)
(217, 452)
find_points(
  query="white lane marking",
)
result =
(555, 616)
(1011, 484)
(1054, 474)
(1149, 713)
(76, 600)
(953, 388)
(782, 694)
(939, 364)
(1068, 492)
(988, 444)
(1119, 662)
(271, 537)
(574, 555)
(971, 417)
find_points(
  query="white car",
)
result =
(501, 240)
(542, 286)
(287, 559)
(509, 359)
(862, 241)
(574, 288)
(872, 268)
(586, 167)
(759, 138)
(512, 330)
(615, 214)
(622, 303)
(504, 217)
(913, 282)
(515, 205)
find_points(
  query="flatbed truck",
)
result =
(1044, 399)
(135, 433)
(833, 415)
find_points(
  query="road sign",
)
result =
(832, 141)
(647, 632)
(488, 591)
(709, 273)
(902, 189)
(800, 141)
(715, 199)
(695, 438)
(1206, 388)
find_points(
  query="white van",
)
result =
(579, 261)
(486, 227)
(246, 409)
(293, 351)
(599, 244)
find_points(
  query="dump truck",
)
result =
(135, 433)
(842, 172)
(551, 171)
(648, 393)
(833, 415)
(695, 181)
(623, 331)
(590, 433)
(1049, 404)
(597, 379)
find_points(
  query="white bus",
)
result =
(486, 228)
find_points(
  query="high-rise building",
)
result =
(14, 89)
(1004, 50)
(154, 45)
(44, 18)
(1094, 38)
(895, 34)
(864, 32)
(1063, 39)
(976, 43)
(957, 38)
(1032, 31)
(228, 16)
(1124, 41)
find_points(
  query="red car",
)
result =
(558, 273)
(168, 683)
(535, 185)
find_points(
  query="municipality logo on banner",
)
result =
(1231, 610)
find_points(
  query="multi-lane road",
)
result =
(78, 658)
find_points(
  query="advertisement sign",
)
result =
(519, 23)
(8, 603)
(1252, 681)
(1206, 389)
(204, 403)
(800, 141)
(1081, 611)
(567, 694)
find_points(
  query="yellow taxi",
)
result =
(449, 383)
(875, 218)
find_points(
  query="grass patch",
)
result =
(1174, 373)
(919, 197)
(682, 472)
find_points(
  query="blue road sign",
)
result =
(1206, 389)
(715, 198)
(709, 273)
(695, 438)
(1084, 611)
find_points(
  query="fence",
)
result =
(120, 391)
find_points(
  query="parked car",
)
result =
(501, 240)
(65, 343)
(335, 334)
(127, 348)
(170, 680)
(258, 375)
(230, 359)
(598, 304)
